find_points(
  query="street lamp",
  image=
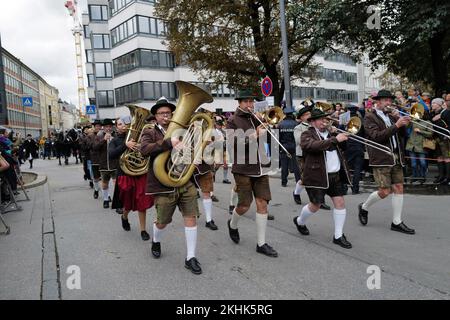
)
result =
(284, 44)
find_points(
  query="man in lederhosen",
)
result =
(97, 126)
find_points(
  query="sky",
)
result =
(39, 34)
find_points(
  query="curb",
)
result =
(39, 181)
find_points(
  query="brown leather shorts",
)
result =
(205, 182)
(385, 177)
(247, 187)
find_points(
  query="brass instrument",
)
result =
(353, 127)
(323, 106)
(416, 113)
(132, 162)
(167, 171)
(274, 115)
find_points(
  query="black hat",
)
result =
(383, 94)
(107, 122)
(162, 102)
(302, 111)
(317, 114)
(97, 121)
(246, 94)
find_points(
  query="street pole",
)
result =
(284, 42)
(94, 71)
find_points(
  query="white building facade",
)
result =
(127, 63)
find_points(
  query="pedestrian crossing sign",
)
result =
(90, 109)
(27, 101)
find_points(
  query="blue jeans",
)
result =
(418, 164)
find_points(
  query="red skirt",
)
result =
(132, 193)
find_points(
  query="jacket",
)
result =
(101, 146)
(116, 148)
(242, 162)
(286, 129)
(415, 140)
(315, 167)
(376, 130)
(298, 130)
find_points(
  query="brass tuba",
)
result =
(132, 162)
(191, 97)
(323, 106)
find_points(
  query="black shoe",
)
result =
(125, 224)
(156, 249)
(119, 210)
(284, 185)
(193, 265)
(270, 217)
(342, 241)
(91, 184)
(297, 198)
(362, 215)
(302, 229)
(85, 177)
(402, 228)
(214, 198)
(234, 233)
(226, 181)
(267, 250)
(324, 206)
(438, 180)
(109, 199)
(211, 225)
(145, 236)
(95, 194)
(106, 204)
(230, 209)
(444, 182)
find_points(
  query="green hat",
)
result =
(317, 114)
(246, 94)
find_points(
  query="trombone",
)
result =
(416, 113)
(270, 132)
(353, 127)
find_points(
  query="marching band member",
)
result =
(325, 171)
(95, 156)
(204, 179)
(167, 198)
(131, 188)
(249, 178)
(107, 167)
(385, 128)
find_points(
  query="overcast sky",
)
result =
(39, 34)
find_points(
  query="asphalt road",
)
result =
(63, 226)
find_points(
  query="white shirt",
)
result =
(388, 123)
(332, 157)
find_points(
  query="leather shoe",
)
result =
(125, 224)
(297, 198)
(95, 194)
(324, 206)
(267, 250)
(156, 249)
(234, 233)
(270, 217)
(402, 228)
(342, 241)
(211, 225)
(193, 265)
(226, 181)
(230, 209)
(302, 229)
(106, 204)
(145, 236)
(91, 184)
(214, 198)
(362, 215)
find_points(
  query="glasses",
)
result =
(164, 113)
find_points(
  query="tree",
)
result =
(237, 42)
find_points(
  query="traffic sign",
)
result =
(266, 86)
(27, 101)
(90, 109)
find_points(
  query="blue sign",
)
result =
(266, 86)
(27, 101)
(90, 109)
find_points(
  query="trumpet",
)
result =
(416, 113)
(353, 127)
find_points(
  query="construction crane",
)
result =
(72, 7)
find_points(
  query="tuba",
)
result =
(132, 162)
(323, 106)
(191, 97)
(274, 115)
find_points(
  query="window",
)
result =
(103, 70)
(98, 13)
(101, 41)
(89, 57)
(105, 98)
(138, 24)
(142, 58)
(91, 80)
(144, 25)
(87, 31)
(148, 90)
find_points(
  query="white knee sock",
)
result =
(397, 207)
(106, 195)
(298, 187)
(96, 186)
(233, 198)
(234, 220)
(261, 223)
(207, 205)
(157, 233)
(191, 241)
(305, 213)
(374, 197)
(339, 220)
(225, 174)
